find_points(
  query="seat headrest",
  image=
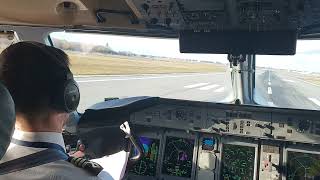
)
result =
(7, 119)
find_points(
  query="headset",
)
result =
(66, 96)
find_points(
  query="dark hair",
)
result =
(32, 71)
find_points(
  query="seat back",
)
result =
(7, 119)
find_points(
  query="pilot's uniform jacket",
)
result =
(57, 170)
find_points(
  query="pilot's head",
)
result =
(41, 84)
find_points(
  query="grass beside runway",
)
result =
(82, 64)
(311, 78)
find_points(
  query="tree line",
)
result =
(88, 48)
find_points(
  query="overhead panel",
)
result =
(221, 15)
(157, 14)
(204, 14)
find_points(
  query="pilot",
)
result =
(42, 87)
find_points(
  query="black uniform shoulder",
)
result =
(91, 167)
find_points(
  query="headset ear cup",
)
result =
(71, 96)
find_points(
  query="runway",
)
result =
(284, 89)
(273, 88)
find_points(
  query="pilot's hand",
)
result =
(79, 152)
(103, 141)
(114, 165)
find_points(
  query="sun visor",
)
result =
(239, 42)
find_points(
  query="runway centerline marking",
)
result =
(269, 90)
(195, 85)
(208, 87)
(315, 101)
(219, 90)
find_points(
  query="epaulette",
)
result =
(91, 167)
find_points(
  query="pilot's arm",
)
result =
(114, 165)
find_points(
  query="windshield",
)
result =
(114, 66)
(290, 81)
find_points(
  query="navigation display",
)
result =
(147, 165)
(178, 155)
(303, 166)
(237, 162)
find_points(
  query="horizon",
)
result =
(305, 60)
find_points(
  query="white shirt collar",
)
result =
(50, 137)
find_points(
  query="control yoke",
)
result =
(137, 145)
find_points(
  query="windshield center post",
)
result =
(242, 77)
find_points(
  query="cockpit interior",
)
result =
(241, 137)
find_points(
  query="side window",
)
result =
(6, 39)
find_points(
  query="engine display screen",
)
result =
(303, 166)
(147, 165)
(237, 162)
(178, 155)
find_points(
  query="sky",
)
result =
(307, 57)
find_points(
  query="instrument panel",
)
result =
(247, 121)
(197, 140)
